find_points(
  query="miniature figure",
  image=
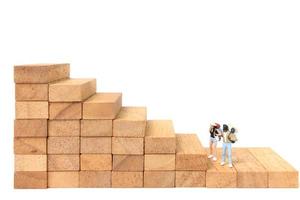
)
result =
(229, 137)
(215, 132)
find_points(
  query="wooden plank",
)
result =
(90, 145)
(34, 163)
(41, 73)
(127, 179)
(250, 173)
(65, 111)
(31, 110)
(130, 122)
(63, 163)
(72, 90)
(160, 137)
(63, 179)
(30, 180)
(64, 128)
(31, 92)
(127, 146)
(96, 162)
(281, 173)
(95, 179)
(30, 128)
(130, 163)
(34, 146)
(190, 154)
(96, 127)
(159, 179)
(190, 179)
(160, 162)
(63, 145)
(102, 106)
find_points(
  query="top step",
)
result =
(41, 73)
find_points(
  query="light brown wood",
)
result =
(127, 146)
(90, 145)
(72, 90)
(30, 180)
(31, 92)
(96, 127)
(127, 179)
(160, 137)
(32, 163)
(160, 162)
(66, 111)
(159, 179)
(102, 106)
(31, 110)
(130, 122)
(63, 145)
(41, 73)
(63, 163)
(95, 179)
(190, 154)
(34, 146)
(64, 128)
(96, 162)
(30, 128)
(190, 179)
(280, 173)
(133, 163)
(63, 179)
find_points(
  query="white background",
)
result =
(191, 61)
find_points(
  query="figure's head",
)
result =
(215, 125)
(232, 130)
(225, 127)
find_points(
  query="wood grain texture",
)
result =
(63, 179)
(127, 179)
(96, 162)
(34, 163)
(96, 127)
(190, 154)
(63, 163)
(30, 128)
(66, 111)
(30, 180)
(72, 90)
(127, 146)
(63, 145)
(31, 92)
(100, 145)
(130, 122)
(160, 162)
(41, 73)
(159, 179)
(34, 146)
(280, 173)
(160, 137)
(95, 179)
(63, 128)
(102, 106)
(190, 179)
(133, 163)
(32, 110)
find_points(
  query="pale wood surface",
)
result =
(90, 145)
(134, 163)
(63, 163)
(127, 146)
(63, 145)
(159, 179)
(160, 162)
(95, 179)
(66, 111)
(63, 128)
(30, 128)
(127, 179)
(31, 92)
(190, 179)
(32, 110)
(63, 179)
(33, 146)
(30, 180)
(96, 162)
(96, 127)
(34, 163)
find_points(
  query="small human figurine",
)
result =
(229, 137)
(215, 132)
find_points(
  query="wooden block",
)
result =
(190, 179)
(65, 111)
(30, 146)
(63, 145)
(63, 163)
(64, 128)
(30, 128)
(30, 180)
(96, 127)
(160, 137)
(96, 162)
(31, 110)
(190, 154)
(127, 146)
(31, 92)
(95, 179)
(280, 173)
(159, 179)
(127, 179)
(132, 163)
(102, 106)
(41, 73)
(34, 163)
(160, 162)
(130, 122)
(250, 173)
(63, 179)
(90, 145)
(72, 90)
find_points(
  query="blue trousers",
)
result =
(226, 146)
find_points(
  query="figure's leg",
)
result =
(229, 155)
(223, 153)
(214, 147)
(210, 149)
